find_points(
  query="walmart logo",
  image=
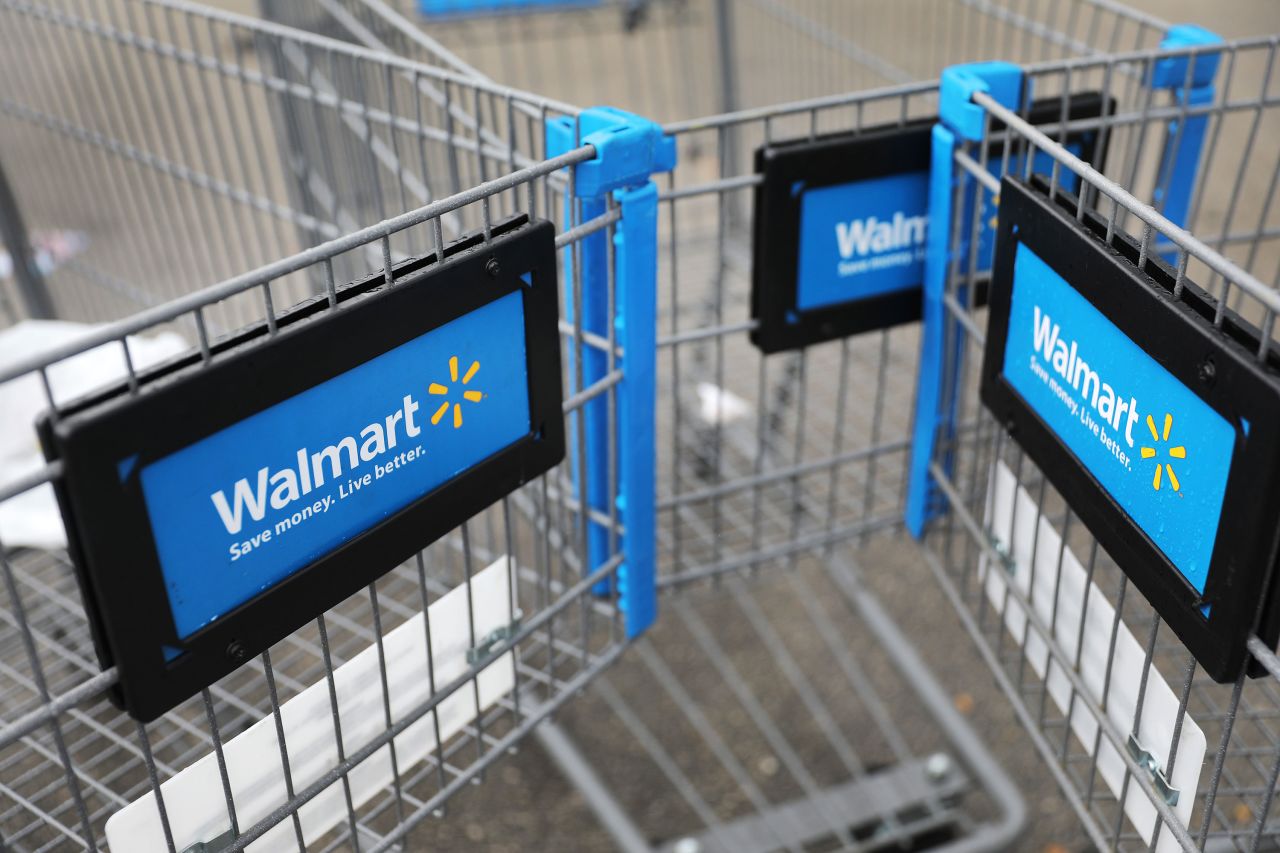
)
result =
(1104, 405)
(470, 395)
(277, 487)
(865, 236)
(1177, 452)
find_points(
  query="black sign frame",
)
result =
(844, 158)
(109, 534)
(1219, 366)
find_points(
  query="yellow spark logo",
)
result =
(470, 396)
(1178, 452)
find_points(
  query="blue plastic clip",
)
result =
(636, 255)
(940, 353)
(1001, 80)
(1171, 72)
(629, 149)
(1192, 76)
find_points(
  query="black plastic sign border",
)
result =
(180, 403)
(844, 158)
(1179, 335)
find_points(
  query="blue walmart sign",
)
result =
(1154, 446)
(866, 238)
(861, 239)
(243, 509)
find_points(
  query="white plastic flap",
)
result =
(194, 797)
(1072, 589)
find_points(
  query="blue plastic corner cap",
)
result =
(1001, 80)
(1171, 72)
(629, 149)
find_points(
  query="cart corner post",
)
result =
(960, 120)
(629, 149)
(1190, 81)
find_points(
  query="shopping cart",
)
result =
(764, 464)
(313, 139)
(1161, 736)
(764, 475)
(162, 133)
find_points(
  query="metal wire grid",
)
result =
(719, 351)
(790, 462)
(676, 59)
(189, 145)
(765, 459)
(1232, 216)
(68, 759)
(734, 469)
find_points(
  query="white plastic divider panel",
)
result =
(1110, 672)
(318, 739)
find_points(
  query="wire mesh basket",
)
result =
(791, 462)
(1150, 749)
(316, 139)
(778, 474)
(192, 146)
(160, 133)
